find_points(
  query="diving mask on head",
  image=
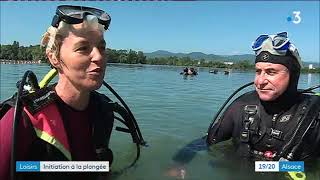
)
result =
(278, 44)
(76, 14)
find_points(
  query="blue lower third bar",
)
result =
(27, 166)
(287, 166)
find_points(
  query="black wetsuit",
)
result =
(230, 126)
(273, 126)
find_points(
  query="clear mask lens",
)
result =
(283, 34)
(279, 41)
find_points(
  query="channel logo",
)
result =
(295, 17)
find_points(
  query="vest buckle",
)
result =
(244, 136)
(276, 133)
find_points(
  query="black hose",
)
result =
(296, 147)
(291, 154)
(17, 116)
(130, 121)
(126, 120)
(136, 127)
(225, 103)
(119, 119)
(310, 89)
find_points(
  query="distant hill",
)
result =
(241, 57)
(212, 57)
(200, 55)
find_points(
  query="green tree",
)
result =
(123, 58)
(112, 55)
(132, 57)
(142, 59)
(14, 50)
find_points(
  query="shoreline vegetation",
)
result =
(34, 54)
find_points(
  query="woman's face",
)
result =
(83, 59)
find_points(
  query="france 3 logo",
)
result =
(295, 17)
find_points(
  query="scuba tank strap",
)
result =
(249, 117)
(250, 112)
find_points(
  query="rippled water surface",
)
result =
(171, 110)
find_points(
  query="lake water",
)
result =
(171, 110)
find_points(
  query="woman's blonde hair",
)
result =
(53, 38)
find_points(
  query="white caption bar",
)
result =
(266, 166)
(74, 166)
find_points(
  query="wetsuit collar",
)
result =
(282, 103)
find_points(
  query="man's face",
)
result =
(271, 80)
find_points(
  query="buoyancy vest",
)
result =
(254, 130)
(48, 123)
(42, 114)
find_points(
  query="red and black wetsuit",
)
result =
(78, 126)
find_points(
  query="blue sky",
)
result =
(223, 28)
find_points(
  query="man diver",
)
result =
(274, 122)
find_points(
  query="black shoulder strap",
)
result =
(102, 125)
(39, 99)
(250, 113)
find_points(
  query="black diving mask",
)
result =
(75, 15)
